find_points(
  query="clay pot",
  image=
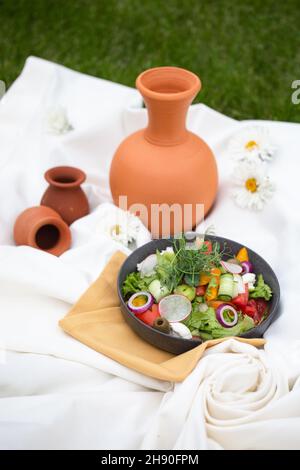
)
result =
(43, 228)
(64, 193)
(165, 163)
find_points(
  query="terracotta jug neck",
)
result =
(167, 93)
(65, 177)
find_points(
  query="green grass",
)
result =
(247, 53)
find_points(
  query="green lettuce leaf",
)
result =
(208, 326)
(135, 283)
(261, 290)
(165, 272)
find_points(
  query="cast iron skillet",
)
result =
(179, 345)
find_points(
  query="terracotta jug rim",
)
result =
(61, 244)
(185, 84)
(65, 176)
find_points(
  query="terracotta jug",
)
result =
(165, 164)
(42, 228)
(64, 193)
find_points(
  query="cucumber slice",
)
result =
(226, 287)
(175, 307)
(239, 287)
(226, 298)
(157, 290)
(235, 290)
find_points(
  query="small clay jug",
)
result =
(165, 167)
(42, 228)
(64, 193)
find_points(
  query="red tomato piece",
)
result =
(149, 316)
(242, 299)
(154, 308)
(262, 308)
(208, 245)
(250, 309)
(200, 290)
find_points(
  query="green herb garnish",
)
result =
(166, 270)
(194, 261)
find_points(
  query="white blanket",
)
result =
(56, 393)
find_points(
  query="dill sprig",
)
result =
(194, 261)
(189, 261)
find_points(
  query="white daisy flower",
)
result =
(123, 228)
(57, 121)
(252, 188)
(252, 143)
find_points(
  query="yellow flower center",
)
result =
(251, 185)
(115, 230)
(251, 145)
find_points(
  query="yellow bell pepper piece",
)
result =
(213, 286)
(216, 271)
(242, 255)
(204, 279)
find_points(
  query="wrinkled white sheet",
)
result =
(55, 392)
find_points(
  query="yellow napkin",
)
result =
(96, 320)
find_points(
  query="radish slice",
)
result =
(140, 302)
(231, 312)
(179, 329)
(231, 267)
(175, 307)
(147, 266)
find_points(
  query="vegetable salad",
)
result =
(196, 290)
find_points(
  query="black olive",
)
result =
(162, 324)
